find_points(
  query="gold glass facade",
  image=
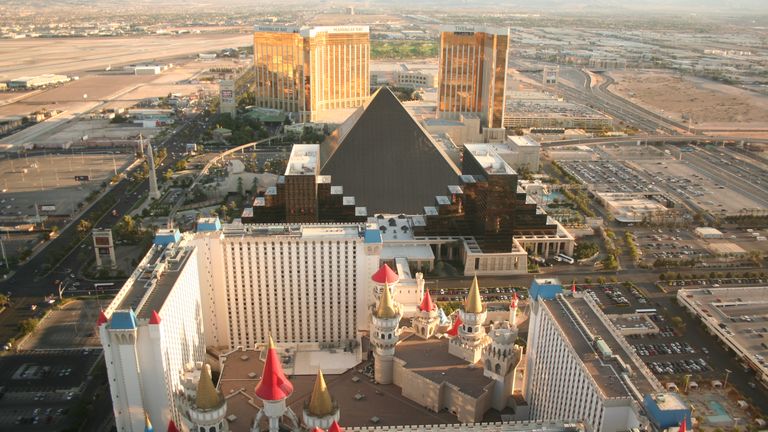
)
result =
(279, 70)
(311, 71)
(472, 73)
(339, 65)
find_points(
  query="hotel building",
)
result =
(579, 366)
(311, 71)
(150, 331)
(472, 72)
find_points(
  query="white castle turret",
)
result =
(500, 358)
(427, 318)
(513, 304)
(385, 318)
(471, 337)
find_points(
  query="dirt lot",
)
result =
(60, 55)
(712, 104)
(50, 179)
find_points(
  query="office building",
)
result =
(150, 332)
(472, 72)
(579, 366)
(311, 71)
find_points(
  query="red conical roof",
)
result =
(513, 303)
(274, 385)
(102, 319)
(683, 426)
(385, 275)
(155, 318)
(335, 427)
(455, 329)
(426, 302)
(573, 287)
(172, 426)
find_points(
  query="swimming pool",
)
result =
(721, 415)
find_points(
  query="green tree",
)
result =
(168, 174)
(180, 165)
(28, 325)
(5, 301)
(83, 227)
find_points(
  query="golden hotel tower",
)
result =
(311, 71)
(472, 74)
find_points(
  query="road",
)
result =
(29, 284)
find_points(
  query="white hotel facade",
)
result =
(579, 367)
(301, 284)
(152, 329)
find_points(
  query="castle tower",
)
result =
(273, 390)
(384, 332)
(153, 191)
(209, 408)
(499, 360)
(427, 318)
(471, 337)
(321, 410)
(384, 276)
(118, 337)
(513, 309)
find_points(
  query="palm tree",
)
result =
(4, 301)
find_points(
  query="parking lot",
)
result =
(609, 176)
(615, 298)
(39, 388)
(72, 326)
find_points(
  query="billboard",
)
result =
(227, 101)
(48, 208)
(82, 178)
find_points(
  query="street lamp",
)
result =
(727, 372)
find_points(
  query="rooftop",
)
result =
(303, 160)
(489, 159)
(242, 371)
(738, 315)
(149, 285)
(581, 323)
(303, 231)
(430, 358)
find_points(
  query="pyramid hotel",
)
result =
(311, 310)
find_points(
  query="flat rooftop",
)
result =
(303, 231)
(303, 160)
(430, 358)
(152, 281)
(489, 159)
(582, 323)
(241, 373)
(738, 315)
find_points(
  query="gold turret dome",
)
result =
(320, 402)
(474, 302)
(207, 396)
(386, 308)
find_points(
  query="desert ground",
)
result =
(713, 105)
(36, 56)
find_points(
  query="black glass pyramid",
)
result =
(386, 160)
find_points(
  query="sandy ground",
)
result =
(20, 57)
(51, 180)
(713, 105)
